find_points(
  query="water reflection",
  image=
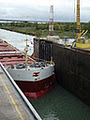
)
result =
(51, 116)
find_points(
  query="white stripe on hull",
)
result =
(29, 75)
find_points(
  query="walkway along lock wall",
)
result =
(72, 67)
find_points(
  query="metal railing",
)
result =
(27, 103)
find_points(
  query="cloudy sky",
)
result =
(39, 9)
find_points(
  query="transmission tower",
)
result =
(51, 21)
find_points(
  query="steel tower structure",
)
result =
(78, 18)
(51, 21)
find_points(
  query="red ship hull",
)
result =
(37, 88)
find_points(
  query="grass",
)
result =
(43, 33)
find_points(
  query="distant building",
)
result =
(52, 38)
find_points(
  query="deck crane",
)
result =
(78, 19)
(81, 41)
(79, 33)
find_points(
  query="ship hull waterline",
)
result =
(34, 82)
(38, 88)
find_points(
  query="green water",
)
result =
(60, 104)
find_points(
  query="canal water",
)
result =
(17, 40)
(57, 104)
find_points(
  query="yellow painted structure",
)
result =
(78, 18)
(83, 43)
(85, 46)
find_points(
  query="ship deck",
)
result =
(11, 55)
(12, 105)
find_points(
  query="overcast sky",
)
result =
(40, 9)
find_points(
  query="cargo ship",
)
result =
(35, 78)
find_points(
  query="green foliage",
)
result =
(60, 29)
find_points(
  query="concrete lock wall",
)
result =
(43, 49)
(72, 68)
(73, 71)
(36, 48)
